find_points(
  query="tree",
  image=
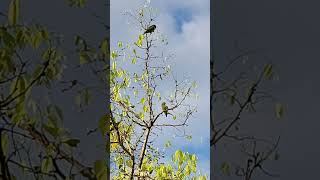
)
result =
(141, 108)
(34, 142)
(234, 96)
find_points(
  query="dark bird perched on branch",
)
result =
(150, 29)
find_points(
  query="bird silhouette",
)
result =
(150, 29)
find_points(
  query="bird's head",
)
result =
(164, 103)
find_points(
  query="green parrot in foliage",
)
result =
(150, 29)
(164, 108)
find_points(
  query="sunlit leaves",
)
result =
(140, 40)
(201, 178)
(114, 55)
(134, 60)
(142, 100)
(120, 44)
(145, 108)
(141, 115)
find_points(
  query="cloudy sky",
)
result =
(186, 24)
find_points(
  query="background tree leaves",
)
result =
(14, 12)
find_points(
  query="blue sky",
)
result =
(186, 23)
(181, 16)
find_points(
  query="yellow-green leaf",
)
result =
(46, 165)
(13, 13)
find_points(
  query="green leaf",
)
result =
(141, 37)
(17, 118)
(105, 47)
(37, 40)
(103, 125)
(188, 170)
(114, 55)
(194, 84)
(167, 144)
(178, 156)
(83, 58)
(225, 168)
(279, 110)
(77, 3)
(129, 163)
(141, 115)
(55, 113)
(5, 143)
(114, 65)
(44, 34)
(202, 178)
(13, 13)
(143, 100)
(101, 169)
(46, 165)
(72, 142)
(54, 131)
(134, 60)
(120, 44)
(145, 108)
(268, 71)
(77, 99)
(139, 43)
(188, 137)
(86, 96)
(36, 73)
